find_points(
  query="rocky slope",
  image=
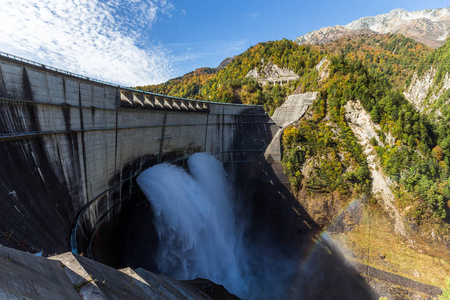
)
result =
(430, 27)
(225, 63)
(271, 73)
(421, 93)
(429, 86)
(364, 129)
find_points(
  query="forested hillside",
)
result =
(417, 160)
(394, 57)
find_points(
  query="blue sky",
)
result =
(138, 42)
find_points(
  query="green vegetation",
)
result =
(335, 162)
(394, 57)
(438, 61)
(446, 292)
(232, 85)
(414, 161)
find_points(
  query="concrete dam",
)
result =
(71, 148)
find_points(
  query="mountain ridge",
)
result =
(430, 27)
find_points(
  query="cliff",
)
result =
(271, 73)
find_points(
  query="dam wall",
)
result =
(71, 148)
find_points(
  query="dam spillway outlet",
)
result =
(197, 230)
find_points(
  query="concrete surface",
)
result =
(290, 112)
(27, 276)
(68, 276)
(293, 108)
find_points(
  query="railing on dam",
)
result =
(131, 97)
(30, 62)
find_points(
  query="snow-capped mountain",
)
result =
(430, 26)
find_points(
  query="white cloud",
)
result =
(107, 40)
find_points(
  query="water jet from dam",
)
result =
(199, 229)
(198, 236)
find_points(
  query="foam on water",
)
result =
(196, 225)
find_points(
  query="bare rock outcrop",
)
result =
(364, 130)
(271, 73)
(328, 34)
(423, 91)
(225, 63)
(323, 69)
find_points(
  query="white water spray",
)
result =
(197, 229)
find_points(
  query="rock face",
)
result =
(273, 74)
(327, 35)
(422, 92)
(323, 69)
(417, 91)
(430, 26)
(69, 276)
(364, 129)
(225, 63)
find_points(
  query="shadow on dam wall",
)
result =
(26, 172)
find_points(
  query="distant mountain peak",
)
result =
(429, 26)
(225, 63)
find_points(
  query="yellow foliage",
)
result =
(437, 152)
